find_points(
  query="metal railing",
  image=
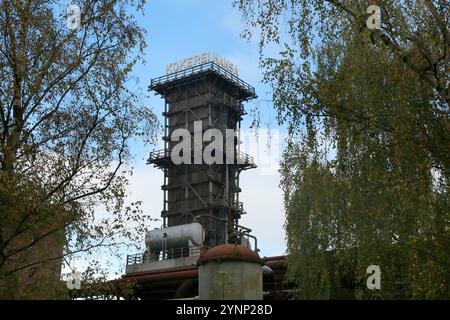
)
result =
(245, 158)
(242, 158)
(135, 259)
(158, 155)
(204, 67)
(169, 254)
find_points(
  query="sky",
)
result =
(177, 29)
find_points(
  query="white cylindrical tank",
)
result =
(175, 237)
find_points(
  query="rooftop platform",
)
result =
(164, 83)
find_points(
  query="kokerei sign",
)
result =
(200, 59)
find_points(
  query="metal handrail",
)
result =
(207, 66)
(135, 259)
(158, 154)
(243, 158)
(177, 253)
(169, 254)
(246, 157)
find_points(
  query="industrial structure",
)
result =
(208, 194)
(201, 235)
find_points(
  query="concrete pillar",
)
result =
(230, 272)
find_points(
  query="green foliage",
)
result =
(67, 116)
(366, 171)
(95, 285)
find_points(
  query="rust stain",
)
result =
(229, 252)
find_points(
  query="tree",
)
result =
(366, 173)
(67, 116)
